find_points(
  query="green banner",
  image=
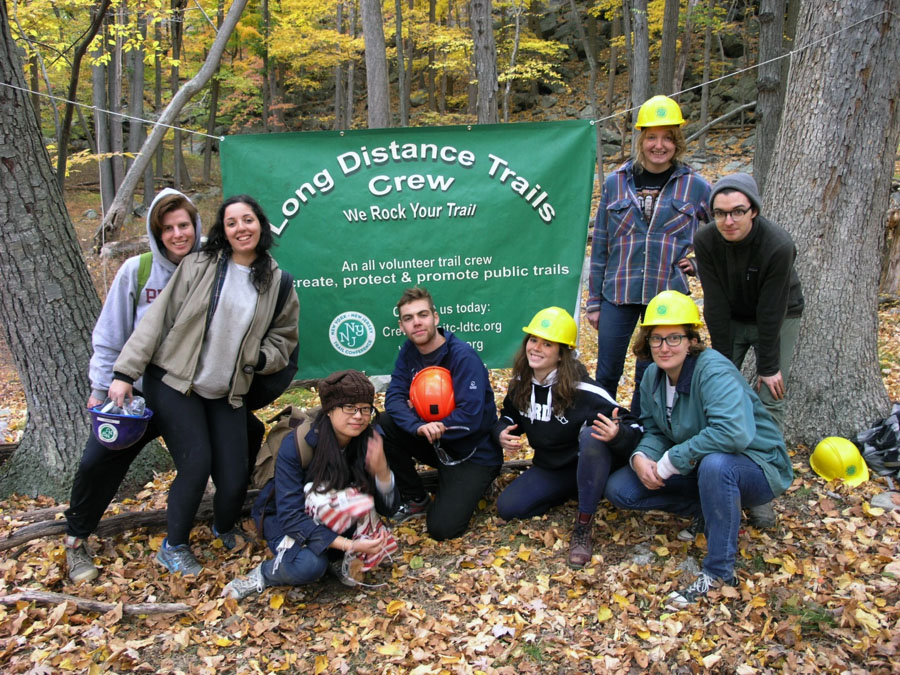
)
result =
(492, 220)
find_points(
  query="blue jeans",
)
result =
(538, 489)
(720, 486)
(296, 568)
(614, 330)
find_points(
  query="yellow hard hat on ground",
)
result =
(554, 324)
(836, 457)
(659, 111)
(671, 308)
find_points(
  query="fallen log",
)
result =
(38, 514)
(157, 517)
(114, 524)
(48, 598)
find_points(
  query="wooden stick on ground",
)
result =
(48, 598)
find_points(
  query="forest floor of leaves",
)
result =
(819, 593)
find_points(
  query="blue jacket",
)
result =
(281, 504)
(475, 405)
(632, 260)
(715, 410)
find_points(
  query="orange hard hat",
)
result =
(431, 393)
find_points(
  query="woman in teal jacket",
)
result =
(709, 446)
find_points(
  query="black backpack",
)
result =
(266, 388)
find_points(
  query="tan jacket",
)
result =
(172, 331)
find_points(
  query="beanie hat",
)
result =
(345, 386)
(742, 182)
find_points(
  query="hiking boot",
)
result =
(178, 558)
(697, 590)
(411, 509)
(580, 546)
(691, 531)
(79, 561)
(228, 539)
(762, 516)
(240, 587)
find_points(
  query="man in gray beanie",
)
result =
(751, 293)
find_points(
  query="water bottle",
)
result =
(136, 407)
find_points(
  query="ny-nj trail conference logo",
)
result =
(352, 333)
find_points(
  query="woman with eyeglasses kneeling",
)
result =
(331, 476)
(709, 446)
(552, 400)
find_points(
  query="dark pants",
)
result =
(722, 484)
(539, 489)
(206, 437)
(97, 480)
(614, 330)
(101, 472)
(460, 487)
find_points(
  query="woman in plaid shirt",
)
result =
(648, 212)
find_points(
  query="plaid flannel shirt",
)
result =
(633, 260)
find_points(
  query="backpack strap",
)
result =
(304, 450)
(145, 264)
(284, 287)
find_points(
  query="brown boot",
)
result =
(580, 546)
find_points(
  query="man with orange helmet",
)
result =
(443, 419)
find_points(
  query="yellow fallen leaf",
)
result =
(661, 551)
(394, 606)
(524, 554)
(789, 565)
(867, 620)
(276, 601)
(757, 601)
(872, 510)
(644, 634)
(604, 614)
(393, 649)
(223, 642)
(503, 551)
(620, 600)
(498, 562)
(321, 664)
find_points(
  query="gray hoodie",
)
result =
(120, 313)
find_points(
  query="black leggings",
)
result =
(205, 437)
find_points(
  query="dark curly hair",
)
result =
(216, 241)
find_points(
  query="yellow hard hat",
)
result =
(836, 457)
(659, 111)
(671, 308)
(554, 324)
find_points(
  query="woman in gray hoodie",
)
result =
(173, 229)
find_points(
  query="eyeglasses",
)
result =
(655, 341)
(735, 213)
(365, 411)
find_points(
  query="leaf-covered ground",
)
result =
(819, 593)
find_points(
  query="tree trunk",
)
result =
(213, 105)
(640, 84)
(684, 54)
(176, 30)
(97, 16)
(339, 73)
(613, 62)
(517, 11)
(116, 127)
(157, 97)
(890, 264)
(48, 304)
(101, 128)
(666, 74)
(376, 65)
(402, 97)
(707, 59)
(350, 98)
(829, 184)
(592, 84)
(768, 86)
(485, 53)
